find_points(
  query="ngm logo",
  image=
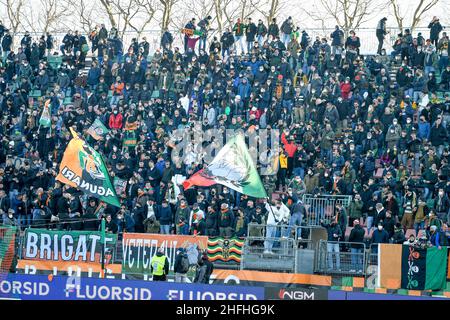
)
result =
(284, 294)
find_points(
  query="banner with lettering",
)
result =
(57, 246)
(41, 287)
(82, 167)
(139, 248)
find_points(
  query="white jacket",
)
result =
(276, 215)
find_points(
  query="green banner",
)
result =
(84, 168)
(79, 246)
(98, 130)
(119, 185)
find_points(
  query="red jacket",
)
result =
(289, 147)
(346, 88)
(257, 113)
(115, 121)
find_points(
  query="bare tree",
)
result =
(422, 7)
(269, 8)
(167, 6)
(415, 9)
(87, 12)
(52, 13)
(399, 17)
(347, 14)
(107, 5)
(14, 11)
(129, 15)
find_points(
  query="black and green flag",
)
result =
(423, 269)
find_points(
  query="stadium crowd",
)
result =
(348, 128)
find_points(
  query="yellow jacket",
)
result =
(282, 161)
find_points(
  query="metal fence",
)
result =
(341, 258)
(281, 257)
(369, 41)
(322, 207)
(302, 235)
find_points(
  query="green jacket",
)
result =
(239, 29)
(355, 209)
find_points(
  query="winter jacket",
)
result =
(165, 217)
(226, 219)
(334, 231)
(274, 30)
(423, 130)
(357, 237)
(438, 135)
(115, 121)
(380, 236)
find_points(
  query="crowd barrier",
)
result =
(369, 41)
(386, 268)
(280, 258)
(322, 207)
(340, 258)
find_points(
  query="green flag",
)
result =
(98, 130)
(232, 167)
(46, 119)
(84, 168)
(423, 269)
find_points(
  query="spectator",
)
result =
(356, 239)
(381, 32)
(110, 225)
(165, 218)
(399, 235)
(238, 34)
(277, 215)
(379, 236)
(435, 28)
(435, 237)
(334, 234)
(226, 221)
(181, 266)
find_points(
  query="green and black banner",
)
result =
(423, 269)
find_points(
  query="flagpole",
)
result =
(103, 249)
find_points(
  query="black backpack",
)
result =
(184, 263)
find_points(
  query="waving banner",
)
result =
(82, 167)
(46, 119)
(98, 130)
(232, 167)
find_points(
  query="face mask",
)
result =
(380, 228)
(10, 216)
(408, 121)
(441, 194)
